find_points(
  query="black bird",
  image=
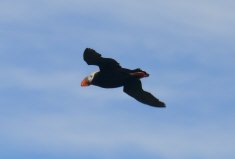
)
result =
(112, 75)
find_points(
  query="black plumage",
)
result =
(112, 75)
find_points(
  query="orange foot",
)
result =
(140, 74)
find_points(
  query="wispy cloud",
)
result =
(29, 79)
(88, 131)
(204, 16)
(66, 82)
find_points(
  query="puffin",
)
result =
(112, 75)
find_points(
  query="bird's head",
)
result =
(87, 81)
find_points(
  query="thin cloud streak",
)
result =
(72, 133)
(207, 17)
(64, 82)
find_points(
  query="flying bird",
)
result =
(112, 75)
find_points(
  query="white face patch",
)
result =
(91, 76)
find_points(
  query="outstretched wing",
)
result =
(93, 58)
(134, 89)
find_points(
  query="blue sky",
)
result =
(186, 46)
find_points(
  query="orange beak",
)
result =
(85, 82)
